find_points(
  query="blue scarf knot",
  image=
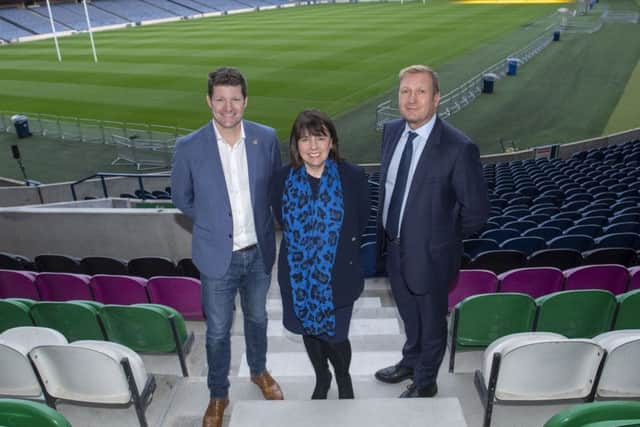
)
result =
(311, 231)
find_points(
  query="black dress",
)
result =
(347, 280)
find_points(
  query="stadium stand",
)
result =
(31, 21)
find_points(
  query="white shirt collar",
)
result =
(219, 137)
(423, 131)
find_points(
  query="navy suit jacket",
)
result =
(447, 202)
(199, 190)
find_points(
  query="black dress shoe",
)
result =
(414, 391)
(394, 374)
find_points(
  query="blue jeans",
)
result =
(245, 274)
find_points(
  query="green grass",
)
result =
(332, 57)
(625, 115)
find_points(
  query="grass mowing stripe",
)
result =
(625, 115)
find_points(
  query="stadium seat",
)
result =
(590, 230)
(572, 215)
(598, 414)
(152, 266)
(559, 258)
(480, 319)
(118, 376)
(104, 265)
(63, 287)
(186, 267)
(148, 328)
(76, 320)
(562, 223)
(533, 281)
(538, 218)
(473, 247)
(630, 217)
(609, 277)
(576, 314)
(15, 262)
(634, 282)
(618, 240)
(622, 256)
(14, 313)
(547, 233)
(18, 284)
(537, 367)
(521, 225)
(592, 220)
(499, 261)
(503, 219)
(622, 227)
(54, 263)
(125, 290)
(184, 294)
(527, 245)
(618, 379)
(628, 309)
(579, 242)
(22, 413)
(500, 234)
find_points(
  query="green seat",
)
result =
(628, 310)
(479, 320)
(76, 320)
(576, 314)
(598, 414)
(24, 413)
(14, 313)
(148, 328)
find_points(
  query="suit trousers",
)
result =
(425, 321)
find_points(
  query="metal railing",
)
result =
(103, 175)
(461, 96)
(91, 130)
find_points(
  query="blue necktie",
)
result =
(395, 204)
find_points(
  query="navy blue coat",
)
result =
(347, 280)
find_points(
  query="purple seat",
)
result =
(609, 277)
(63, 286)
(533, 281)
(634, 272)
(123, 290)
(18, 284)
(180, 293)
(472, 282)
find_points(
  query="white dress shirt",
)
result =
(236, 176)
(419, 142)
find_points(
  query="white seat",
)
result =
(25, 338)
(620, 377)
(17, 378)
(537, 367)
(89, 371)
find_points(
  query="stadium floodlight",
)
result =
(53, 30)
(93, 45)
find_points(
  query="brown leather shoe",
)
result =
(268, 386)
(215, 412)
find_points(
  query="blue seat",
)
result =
(521, 225)
(629, 210)
(561, 223)
(618, 240)
(473, 247)
(518, 212)
(547, 233)
(622, 227)
(538, 218)
(592, 220)
(528, 245)
(578, 242)
(629, 217)
(500, 234)
(588, 230)
(617, 207)
(503, 219)
(559, 258)
(572, 215)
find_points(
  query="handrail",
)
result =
(103, 175)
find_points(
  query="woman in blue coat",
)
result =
(322, 204)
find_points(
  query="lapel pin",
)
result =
(254, 142)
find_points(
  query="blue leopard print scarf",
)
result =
(311, 231)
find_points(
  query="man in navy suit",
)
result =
(220, 179)
(433, 195)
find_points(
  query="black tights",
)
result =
(320, 353)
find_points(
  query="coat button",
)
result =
(350, 262)
(230, 236)
(353, 239)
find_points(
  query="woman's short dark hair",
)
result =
(227, 76)
(312, 122)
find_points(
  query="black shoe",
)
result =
(414, 391)
(394, 374)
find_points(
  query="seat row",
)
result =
(479, 320)
(40, 364)
(549, 367)
(181, 293)
(539, 281)
(593, 414)
(501, 260)
(143, 267)
(24, 413)
(145, 328)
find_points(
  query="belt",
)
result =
(246, 248)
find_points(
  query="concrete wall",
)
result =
(123, 233)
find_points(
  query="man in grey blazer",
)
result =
(433, 195)
(220, 179)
